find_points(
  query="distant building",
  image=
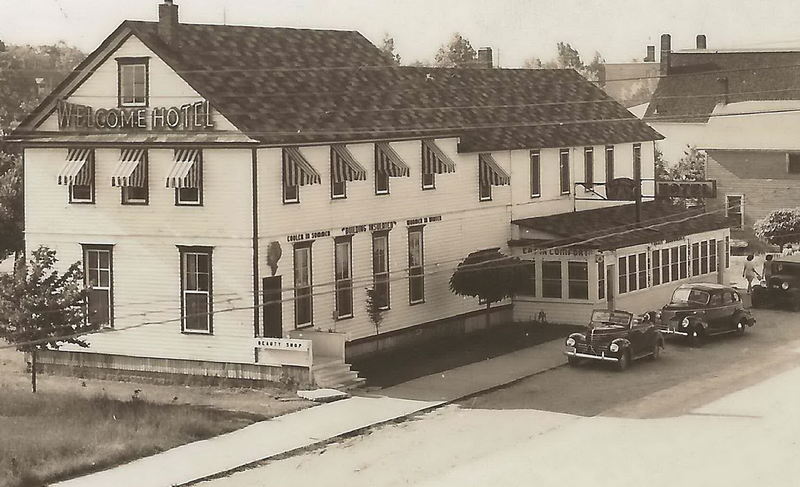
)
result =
(743, 108)
(631, 83)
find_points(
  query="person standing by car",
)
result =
(749, 272)
(765, 273)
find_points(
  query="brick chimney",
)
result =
(485, 57)
(666, 49)
(651, 54)
(701, 41)
(168, 22)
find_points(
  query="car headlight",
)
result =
(614, 347)
(658, 315)
(784, 286)
(763, 283)
(570, 342)
(685, 322)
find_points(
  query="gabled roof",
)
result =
(297, 86)
(614, 227)
(694, 85)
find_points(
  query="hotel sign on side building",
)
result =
(686, 189)
(190, 116)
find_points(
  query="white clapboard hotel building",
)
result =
(234, 191)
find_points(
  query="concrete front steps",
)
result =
(336, 374)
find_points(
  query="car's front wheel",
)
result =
(696, 337)
(624, 361)
(741, 326)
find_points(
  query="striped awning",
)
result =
(77, 171)
(434, 161)
(388, 162)
(296, 169)
(344, 166)
(490, 172)
(130, 171)
(185, 172)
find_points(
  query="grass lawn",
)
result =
(75, 426)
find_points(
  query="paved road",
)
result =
(682, 379)
(721, 415)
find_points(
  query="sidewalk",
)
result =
(317, 425)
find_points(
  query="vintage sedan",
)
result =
(614, 336)
(781, 284)
(700, 310)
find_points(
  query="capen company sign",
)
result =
(191, 116)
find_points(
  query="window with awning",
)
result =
(130, 172)
(185, 172)
(297, 171)
(344, 166)
(490, 173)
(78, 169)
(434, 160)
(388, 162)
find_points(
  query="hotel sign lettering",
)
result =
(191, 116)
(686, 189)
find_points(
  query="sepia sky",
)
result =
(516, 29)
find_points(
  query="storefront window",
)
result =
(343, 277)
(622, 267)
(695, 259)
(656, 267)
(712, 255)
(551, 279)
(684, 261)
(633, 272)
(416, 266)
(704, 257)
(643, 270)
(665, 266)
(578, 276)
(303, 298)
(380, 268)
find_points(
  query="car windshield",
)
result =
(610, 318)
(690, 295)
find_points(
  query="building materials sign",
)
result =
(191, 116)
(686, 189)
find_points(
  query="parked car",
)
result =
(614, 336)
(700, 310)
(780, 286)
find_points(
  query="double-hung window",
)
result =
(704, 257)
(656, 260)
(609, 163)
(416, 266)
(97, 268)
(133, 83)
(196, 299)
(632, 272)
(303, 285)
(78, 175)
(551, 279)
(588, 168)
(343, 251)
(734, 210)
(186, 176)
(380, 268)
(83, 192)
(578, 277)
(536, 174)
(563, 166)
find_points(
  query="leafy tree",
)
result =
(374, 311)
(11, 224)
(490, 276)
(779, 227)
(690, 167)
(387, 46)
(567, 57)
(533, 63)
(40, 308)
(457, 53)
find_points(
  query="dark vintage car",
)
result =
(780, 286)
(700, 310)
(614, 336)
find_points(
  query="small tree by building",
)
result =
(374, 311)
(40, 308)
(779, 227)
(490, 276)
(457, 53)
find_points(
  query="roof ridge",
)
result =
(241, 26)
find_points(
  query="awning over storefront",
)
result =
(388, 162)
(490, 172)
(434, 160)
(296, 169)
(344, 166)
(130, 171)
(185, 172)
(77, 170)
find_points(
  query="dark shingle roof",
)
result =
(296, 86)
(693, 87)
(613, 227)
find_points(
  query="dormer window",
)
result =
(133, 82)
